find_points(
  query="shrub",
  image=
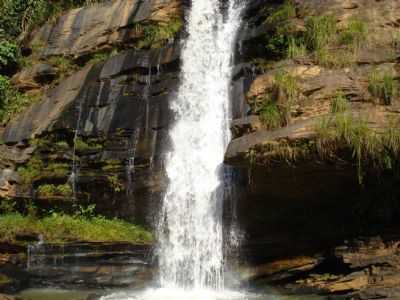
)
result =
(8, 54)
(383, 86)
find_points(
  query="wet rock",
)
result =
(90, 264)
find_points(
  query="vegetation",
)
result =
(339, 103)
(51, 190)
(319, 32)
(87, 145)
(296, 49)
(368, 146)
(20, 16)
(283, 13)
(383, 86)
(355, 34)
(322, 40)
(270, 115)
(11, 100)
(157, 35)
(58, 228)
(275, 109)
(35, 168)
(115, 184)
(9, 54)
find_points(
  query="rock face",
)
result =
(86, 30)
(309, 225)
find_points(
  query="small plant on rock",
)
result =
(339, 103)
(382, 85)
(270, 115)
(319, 31)
(355, 34)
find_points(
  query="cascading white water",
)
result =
(190, 228)
(190, 239)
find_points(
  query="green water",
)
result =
(61, 294)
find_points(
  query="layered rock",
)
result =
(83, 31)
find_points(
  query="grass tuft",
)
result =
(383, 86)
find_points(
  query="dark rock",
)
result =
(90, 264)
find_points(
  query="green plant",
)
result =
(344, 130)
(59, 228)
(62, 145)
(319, 31)
(11, 100)
(355, 34)
(396, 40)
(87, 212)
(383, 86)
(296, 48)
(51, 190)
(339, 103)
(7, 206)
(270, 115)
(31, 170)
(157, 35)
(114, 182)
(338, 58)
(20, 16)
(87, 145)
(8, 54)
(283, 13)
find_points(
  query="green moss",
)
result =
(62, 145)
(63, 228)
(57, 169)
(111, 164)
(88, 144)
(51, 190)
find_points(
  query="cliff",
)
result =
(315, 99)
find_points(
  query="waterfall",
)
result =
(190, 229)
(190, 233)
